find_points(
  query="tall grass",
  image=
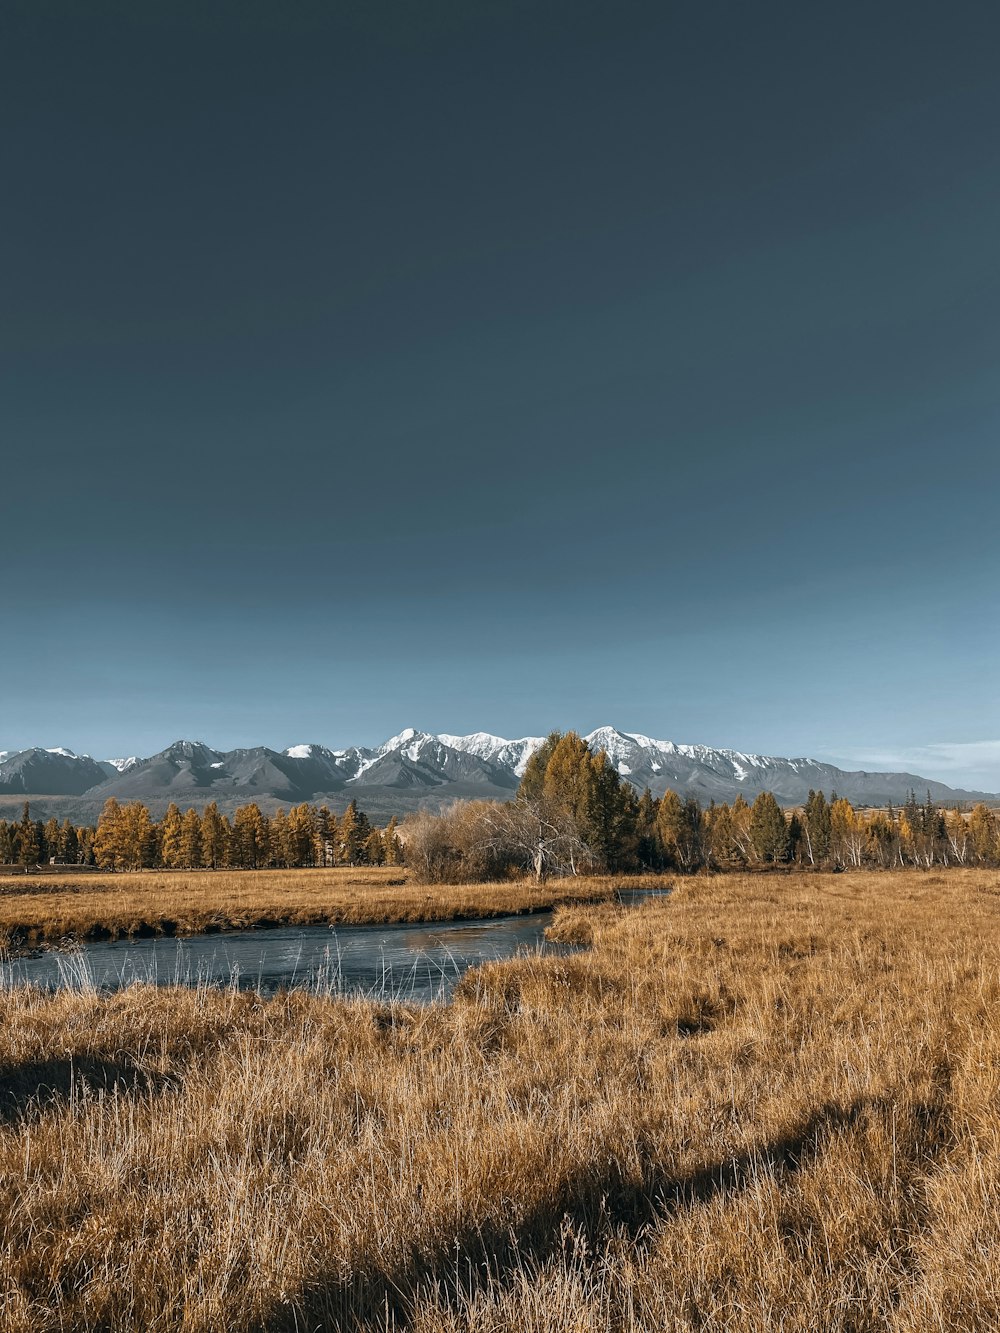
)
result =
(762, 1103)
(49, 909)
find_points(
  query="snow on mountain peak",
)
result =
(66, 754)
(495, 749)
(123, 765)
(617, 744)
(477, 742)
(407, 734)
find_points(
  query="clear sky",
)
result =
(502, 366)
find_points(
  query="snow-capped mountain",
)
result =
(495, 750)
(122, 765)
(56, 772)
(417, 768)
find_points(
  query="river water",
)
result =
(417, 962)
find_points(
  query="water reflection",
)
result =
(409, 961)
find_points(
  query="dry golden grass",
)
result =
(50, 908)
(766, 1103)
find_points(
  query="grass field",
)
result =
(765, 1103)
(51, 908)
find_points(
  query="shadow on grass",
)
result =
(29, 1089)
(596, 1204)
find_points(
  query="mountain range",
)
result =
(417, 769)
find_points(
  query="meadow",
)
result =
(766, 1102)
(53, 909)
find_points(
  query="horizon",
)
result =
(941, 765)
(504, 366)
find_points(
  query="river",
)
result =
(414, 961)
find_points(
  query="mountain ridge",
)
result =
(415, 768)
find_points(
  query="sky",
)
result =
(507, 367)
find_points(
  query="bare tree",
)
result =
(537, 837)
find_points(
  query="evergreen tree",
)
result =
(796, 838)
(351, 835)
(533, 781)
(27, 841)
(393, 848)
(609, 815)
(374, 848)
(816, 829)
(69, 843)
(50, 840)
(768, 830)
(646, 847)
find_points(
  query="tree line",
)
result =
(574, 812)
(126, 837)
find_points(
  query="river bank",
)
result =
(62, 911)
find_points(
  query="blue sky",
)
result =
(504, 367)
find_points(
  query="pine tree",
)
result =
(27, 840)
(392, 845)
(609, 816)
(533, 780)
(50, 840)
(768, 830)
(374, 848)
(8, 852)
(351, 835)
(816, 828)
(796, 838)
(647, 850)
(69, 843)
